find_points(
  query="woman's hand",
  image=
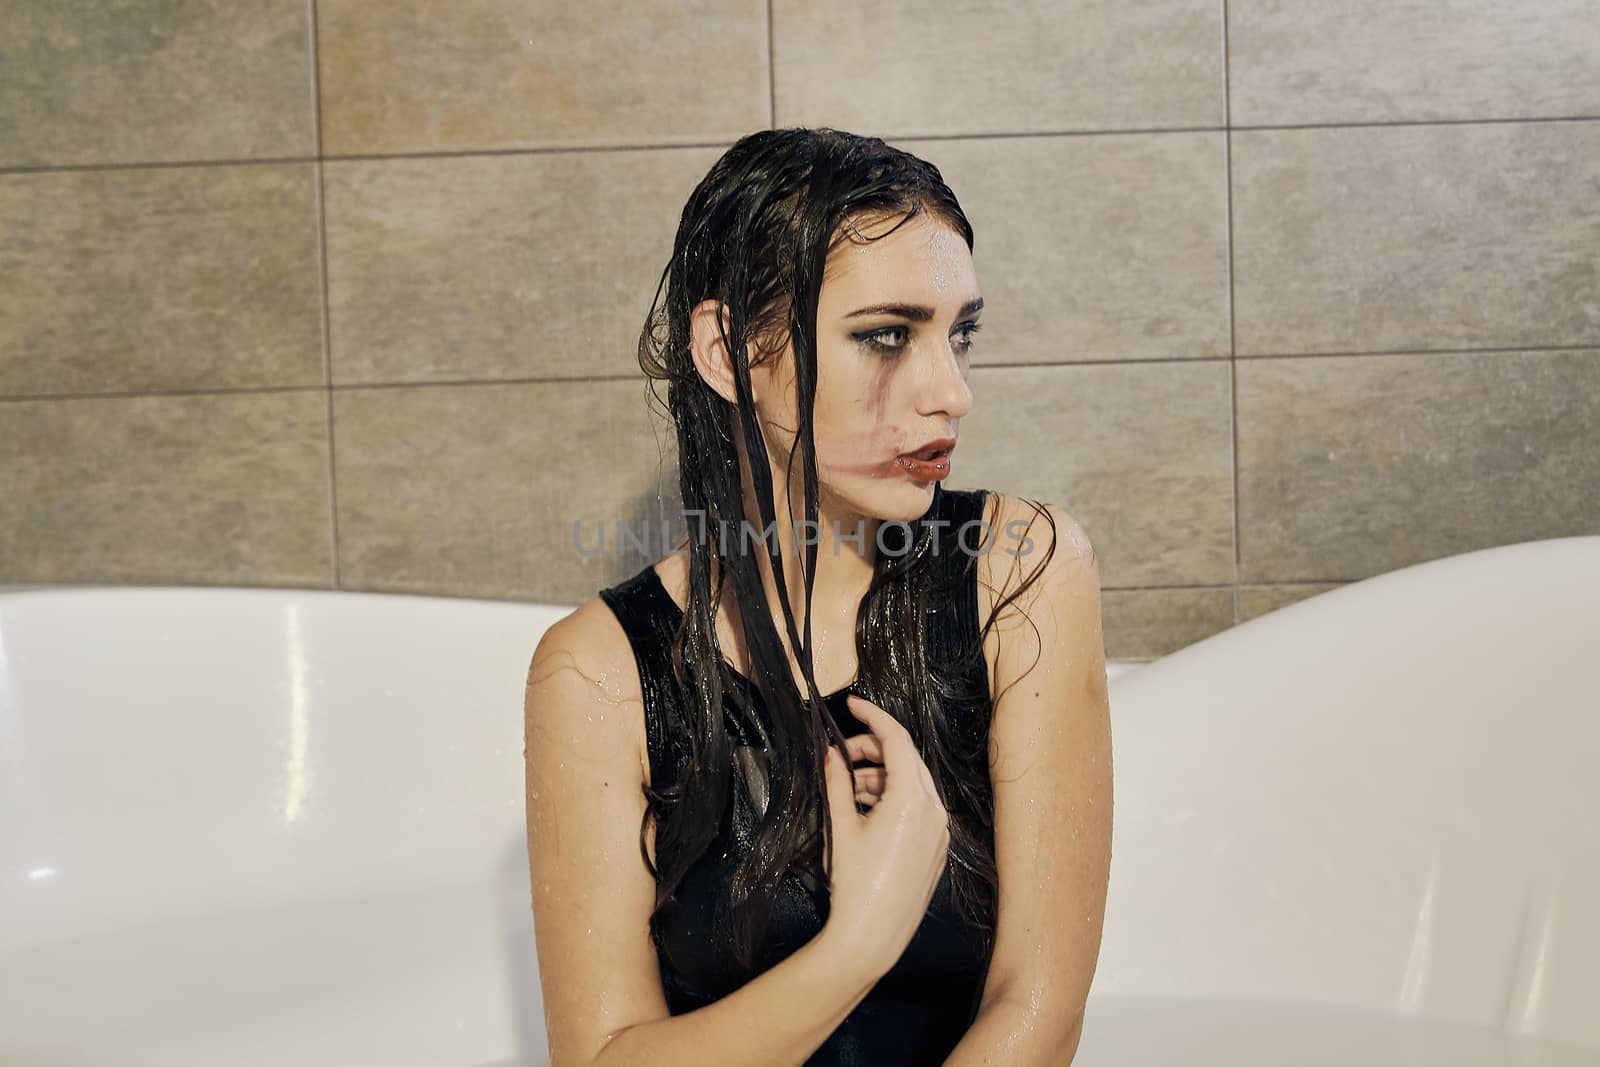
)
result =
(886, 863)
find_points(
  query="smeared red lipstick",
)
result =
(931, 462)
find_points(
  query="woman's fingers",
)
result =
(837, 779)
(894, 743)
(864, 748)
(869, 779)
(869, 785)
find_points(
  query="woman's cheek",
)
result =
(864, 454)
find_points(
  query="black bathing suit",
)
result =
(919, 1010)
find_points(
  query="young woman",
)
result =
(830, 783)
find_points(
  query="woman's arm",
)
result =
(779, 1017)
(592, 894)
(1050, 752)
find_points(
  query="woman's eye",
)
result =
(888, 339)
(963, 336)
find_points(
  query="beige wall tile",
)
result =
(475, 490)
(1358, 465)
(161, 278)
(1258, 600)
(1416, 237)
(1146, 624)
(499, 266)
(1093, 248)
(413, 76)
(145, 81)
(1103, 254)
(906, 70)
(225, 489)
(1139, 454)
(1290, 61)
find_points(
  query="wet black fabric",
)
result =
(920, 1009)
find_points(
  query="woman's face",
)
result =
(895, 319)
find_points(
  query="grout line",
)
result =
(634, 376)
(1226, 585)
(1228, 125)
(1383, 123)
(1264, 356)
(658, 146)
(1227, 75)
(534, 150)
(134, 394)
(772, 74)
(147, 164)
(322, 268)
(1422, 351)
(1233, 318)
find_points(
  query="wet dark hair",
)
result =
(755, 235)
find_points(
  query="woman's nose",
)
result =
(946, 391)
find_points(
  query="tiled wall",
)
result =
(1282, 294)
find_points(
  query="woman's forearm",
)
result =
(778, 1018)
(1008, 1033)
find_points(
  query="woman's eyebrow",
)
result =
(915, 312)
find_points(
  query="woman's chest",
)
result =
(695, 932)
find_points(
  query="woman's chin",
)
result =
(906, 501)
(920, 495)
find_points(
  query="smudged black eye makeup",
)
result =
(880, 340)
(965, 334)
(891, 340)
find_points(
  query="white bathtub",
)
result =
(1362, 829)
(278, 826)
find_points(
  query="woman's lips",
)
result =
(932, 468)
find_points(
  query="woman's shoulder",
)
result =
(583, 682)
(1018, 519)
(1023, 536)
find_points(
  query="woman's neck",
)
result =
(844, 569)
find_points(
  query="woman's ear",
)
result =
(711, 357)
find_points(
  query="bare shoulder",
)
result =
(1032, 545)
(583, 688)
(1034, 555)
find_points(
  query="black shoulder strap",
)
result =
(650, 630)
